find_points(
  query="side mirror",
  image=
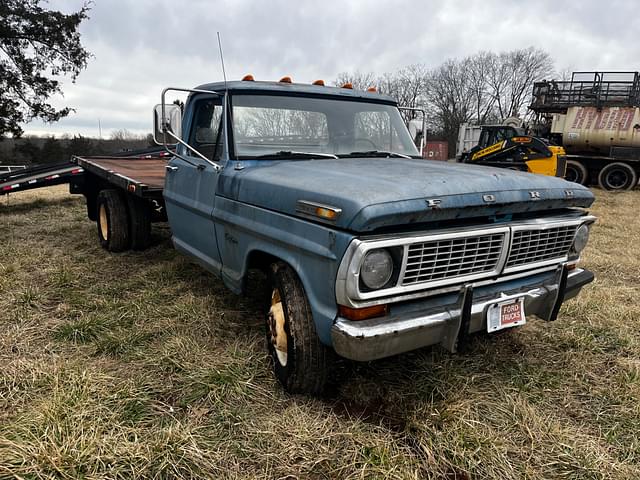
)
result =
(165, 130)
(417, 128)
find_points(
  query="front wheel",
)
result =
(301, 362)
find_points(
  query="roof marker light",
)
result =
(372, 90)
(285, 80)
(248, 78)
(348, 85)
(319, 82)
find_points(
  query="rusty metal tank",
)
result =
(597, 130)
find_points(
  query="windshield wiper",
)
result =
(292, 154)
(375, 153)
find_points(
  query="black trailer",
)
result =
(38, 176)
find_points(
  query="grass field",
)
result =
(141, 365)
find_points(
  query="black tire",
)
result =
(139, 222)
(576, 172)
(618, 177)
(308, 362)
(113, 221)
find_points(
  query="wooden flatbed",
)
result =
(143, 177)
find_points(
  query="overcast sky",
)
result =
(141, 46)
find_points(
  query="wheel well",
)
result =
(260, 260)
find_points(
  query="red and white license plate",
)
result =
(505, 315)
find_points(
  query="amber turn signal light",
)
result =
(328, 213)
(363, 313)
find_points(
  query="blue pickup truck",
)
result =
(369, 250)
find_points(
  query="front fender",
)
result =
(314, 251)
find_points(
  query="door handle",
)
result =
(170, 168)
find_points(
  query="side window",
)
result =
(206, 128)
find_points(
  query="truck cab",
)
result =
(369, 250)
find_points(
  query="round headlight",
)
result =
(581, 238)
(376, 269)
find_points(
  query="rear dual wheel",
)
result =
(123, 221)
(617, 176)
(576, 172)
(113, 221)
(139, 222)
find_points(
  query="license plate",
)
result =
(505, 315)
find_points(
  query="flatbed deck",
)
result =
(141, 176)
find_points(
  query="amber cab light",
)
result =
(347, 85)
(372, 89)
(285, 80)
(319, 82)
(363, 313)
(248, 78)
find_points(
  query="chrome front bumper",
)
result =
(408, 329)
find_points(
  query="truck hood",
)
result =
(383, 192)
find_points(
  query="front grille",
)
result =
(533, 246)
(453, 258)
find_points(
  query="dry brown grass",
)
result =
(141, 365)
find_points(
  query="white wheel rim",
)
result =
(104, 224)
(276, 327)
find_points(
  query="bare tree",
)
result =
(482, 88)
(511, 78)
(408, 87)
(478, 69)
(451, 98)
(124, 134)
(359, 80)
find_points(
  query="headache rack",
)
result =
(594, 89)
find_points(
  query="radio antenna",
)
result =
(226, 102)
(224, 74)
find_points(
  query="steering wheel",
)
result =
(367, 140)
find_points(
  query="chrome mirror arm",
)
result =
(167, 131)
(215, 166)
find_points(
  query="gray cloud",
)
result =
(142, 46)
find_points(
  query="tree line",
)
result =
(30, 150)
(483, 88)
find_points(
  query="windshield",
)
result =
(278, 126)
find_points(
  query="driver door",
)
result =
(190, 186)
